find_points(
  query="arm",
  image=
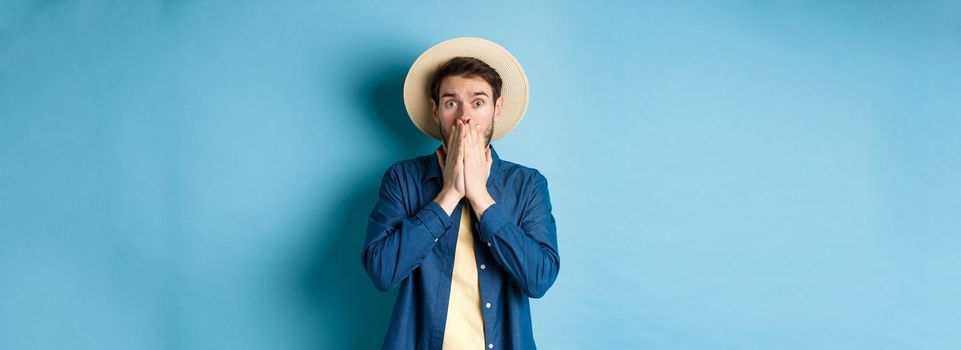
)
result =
(527, 252)
(396, 244)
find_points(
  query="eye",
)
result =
(451, 103)
(478, 103)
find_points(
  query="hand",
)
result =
(477, 163)
(452, 166)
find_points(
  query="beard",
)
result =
(487, 134)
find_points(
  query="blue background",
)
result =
(724, 175)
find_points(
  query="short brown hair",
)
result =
(467, 67)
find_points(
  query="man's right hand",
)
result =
(452, 164)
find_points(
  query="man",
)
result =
(468, 237)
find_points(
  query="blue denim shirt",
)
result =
(410, 243)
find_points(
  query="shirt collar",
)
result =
(434, 170)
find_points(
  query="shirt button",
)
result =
(435, 239)
(488, 305)
(483, 266)
(490, 346)
(488, 243)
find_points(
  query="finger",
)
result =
(473, 132)
(454, 146)
(463, 151)
(460, 135)
(450, 140)
(455, 136)
(480, 138)
(473, 127)
(458, 150)
(466, 135)
(471, 139)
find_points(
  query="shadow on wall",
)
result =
(355, 315)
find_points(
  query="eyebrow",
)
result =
(451, 94)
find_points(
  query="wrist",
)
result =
(480, 202)
(450, 193)
(448, 199)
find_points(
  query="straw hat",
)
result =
(514, 88)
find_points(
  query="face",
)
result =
(466, 99)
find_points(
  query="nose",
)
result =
(462, 115)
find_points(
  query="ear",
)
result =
(498, 106)
(433, 111)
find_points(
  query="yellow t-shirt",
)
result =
(465, 321)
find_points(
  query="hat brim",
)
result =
(514, 89)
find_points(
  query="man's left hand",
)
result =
(477, 166)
